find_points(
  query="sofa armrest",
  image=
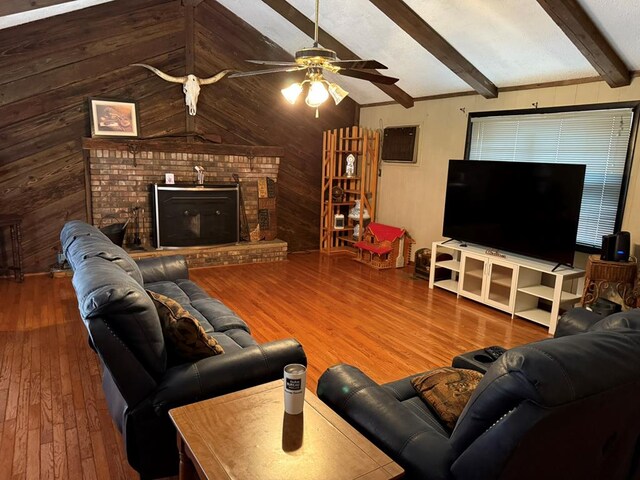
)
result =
(576, 320)
(158, 269)
(133, 381)
(410, 441)
(229, 372)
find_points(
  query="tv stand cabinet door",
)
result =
(501, 285)
(473, 276)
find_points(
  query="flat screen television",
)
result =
(526, 208)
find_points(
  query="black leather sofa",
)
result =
(124, 329)
(563, 408)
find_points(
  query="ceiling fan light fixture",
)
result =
(317, 94)
(314, 61)
(292, 92)
(337, 92)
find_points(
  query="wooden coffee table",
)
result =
(246, 435)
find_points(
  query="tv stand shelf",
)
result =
(519, 285)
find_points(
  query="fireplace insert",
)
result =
(194, 216)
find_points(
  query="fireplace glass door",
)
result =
(195, 216)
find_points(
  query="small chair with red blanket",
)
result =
(384, 246)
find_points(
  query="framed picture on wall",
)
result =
(113, 118)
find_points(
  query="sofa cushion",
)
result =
(75, 229)
(89, 247)
(221, 317)
(186, 339)
(171, 290)
(404, 392)
(192, 290)
(241, 337)
(447, 390)
(108, 292)
(212, 314)
(85, 241)
(630, 320)
(226, 342)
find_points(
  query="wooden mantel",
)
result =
(180, 146)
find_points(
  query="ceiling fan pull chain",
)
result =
(315, 38)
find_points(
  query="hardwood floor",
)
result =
(54, 422)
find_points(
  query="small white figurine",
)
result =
(200, 174)
(354, 213)
(351, 166)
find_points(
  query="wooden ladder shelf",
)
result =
(337, 145)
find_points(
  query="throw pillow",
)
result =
(447, 390)
(185, 338)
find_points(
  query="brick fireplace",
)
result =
(120, 173)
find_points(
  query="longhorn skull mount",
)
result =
(190, 84)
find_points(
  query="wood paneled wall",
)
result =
(51, 67)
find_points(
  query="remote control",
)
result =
(495, 352)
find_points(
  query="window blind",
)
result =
(597, 138)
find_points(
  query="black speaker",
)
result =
(616, 247)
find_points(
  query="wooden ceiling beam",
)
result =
(307, 26)
(407, 19)
(585, 35)
(9, 7)
(191, 3)
(190, 56)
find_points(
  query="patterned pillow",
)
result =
(447, 390)
(186, 339)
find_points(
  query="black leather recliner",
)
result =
(124, 329)
(562, 408)
(580, 320)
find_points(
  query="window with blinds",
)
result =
(597, 138)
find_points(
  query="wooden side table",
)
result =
(247, 436)
(602, 275)
(14, 222)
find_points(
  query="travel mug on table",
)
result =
(295, 380)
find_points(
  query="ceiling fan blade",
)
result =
(366, 64)
(372, 77)
(268, 70)
(269, 62)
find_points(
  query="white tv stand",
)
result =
(515, 284)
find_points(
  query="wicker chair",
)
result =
(384, 246)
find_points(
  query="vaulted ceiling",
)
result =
(439, 47)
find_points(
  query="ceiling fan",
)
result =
(315, 60)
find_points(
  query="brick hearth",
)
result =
(244, 252)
